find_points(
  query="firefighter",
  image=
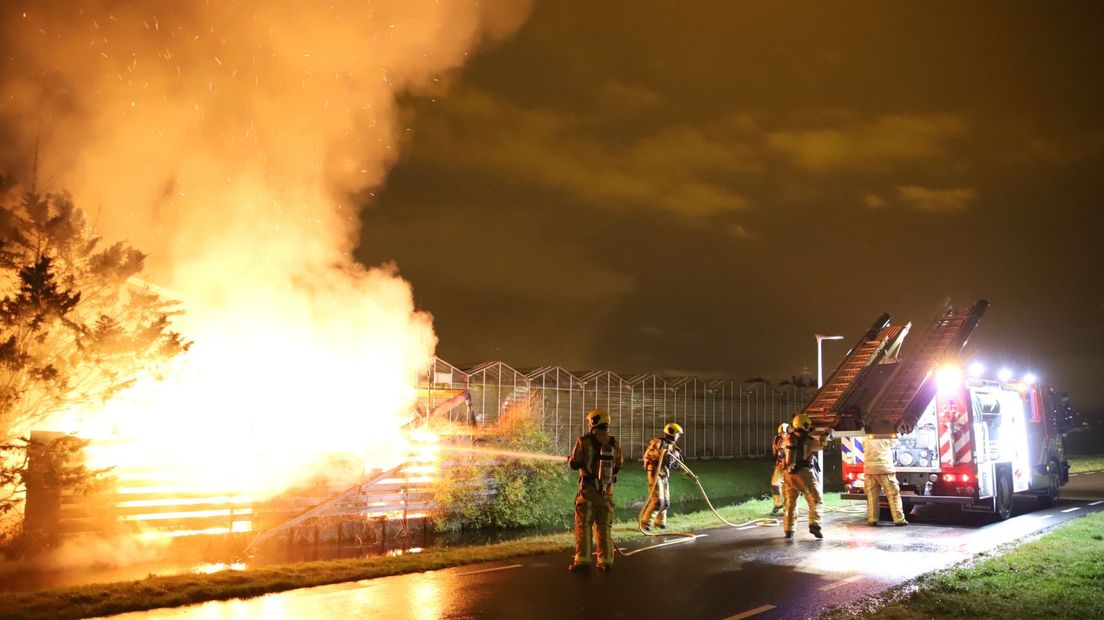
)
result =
(778, 447)
(880, 473)
(662, 454)
(802, 475)
(597, 456)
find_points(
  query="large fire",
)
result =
(229, 141)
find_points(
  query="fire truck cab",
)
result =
(976, 444)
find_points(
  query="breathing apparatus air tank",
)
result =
(604, 480)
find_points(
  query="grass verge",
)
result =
(176, 590)
(727, 481)
(1085, 462)
(1058, 575)
(722, 479)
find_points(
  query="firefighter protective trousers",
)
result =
(888, 483)
(660, 481)
(802, 482)
(594, 525)
(778, 479)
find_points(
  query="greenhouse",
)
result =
(722, 418)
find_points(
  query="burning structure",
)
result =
(236, 144)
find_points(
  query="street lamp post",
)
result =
(820, 338)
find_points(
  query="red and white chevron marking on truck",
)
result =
(977, 444)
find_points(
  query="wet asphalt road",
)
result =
(725, 573)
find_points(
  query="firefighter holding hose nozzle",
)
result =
(802, 475)
(662, 454)
(597, 457)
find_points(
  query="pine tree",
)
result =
(76, 325)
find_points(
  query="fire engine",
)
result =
(962, 439)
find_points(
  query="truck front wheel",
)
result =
(1050, 496)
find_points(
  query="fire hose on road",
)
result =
(761, 522)
(694, 477)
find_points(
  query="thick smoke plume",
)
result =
(234, 142)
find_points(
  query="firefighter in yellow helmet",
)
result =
(662, 454)
(802, 475)
(879, 471)
(778, 478)
(597, 457)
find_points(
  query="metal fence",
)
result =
(720, 418)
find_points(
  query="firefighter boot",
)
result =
(815, 531)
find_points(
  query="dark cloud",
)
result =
(873, 145)
(678, 169)
(628, 186)
(937, 200)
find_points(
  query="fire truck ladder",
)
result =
(858, 359)
(902, 400)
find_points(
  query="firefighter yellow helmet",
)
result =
(598, 416)
(784, 428)
(802, 421)
(672, 429)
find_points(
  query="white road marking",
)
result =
(841, 582)
(664, 544)
(1072, 509)
(1041, 517)
(751, 612)
(1072, 475)
(1099, 501)
(489, 570)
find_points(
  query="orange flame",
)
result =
(227, 141)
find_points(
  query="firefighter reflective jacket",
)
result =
(878, 455)
(656, 447)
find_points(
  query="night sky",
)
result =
(699, 188)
